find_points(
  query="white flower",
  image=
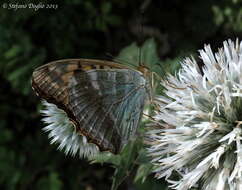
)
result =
(200, 132)
(62, 131)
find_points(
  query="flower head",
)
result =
(62, 131)
(200, 115)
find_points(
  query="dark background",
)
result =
(87, 29)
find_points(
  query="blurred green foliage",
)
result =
(91, 29)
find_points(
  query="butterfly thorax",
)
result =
(148, 76)
(144, 70)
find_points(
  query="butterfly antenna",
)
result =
(141, 36)
(120, 61)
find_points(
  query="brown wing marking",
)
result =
(87, 107)
(50, 82)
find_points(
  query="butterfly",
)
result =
(104, 99)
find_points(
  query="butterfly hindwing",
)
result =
(108, 104)
(104, 99)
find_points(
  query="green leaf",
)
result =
(149, 54)
(143, 171)
(146, 54)
(101, 24)
(106, 157)
(15, 179)
(113, 20)
(128, 156)
(129, 55)
(6, 136)
(171, 65)
(54, 181)
(151, 184)
(106, 7)
(12, 52)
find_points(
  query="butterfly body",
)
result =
(103, 99)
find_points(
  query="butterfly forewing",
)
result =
(104, 99)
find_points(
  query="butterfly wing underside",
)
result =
(104, 100)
